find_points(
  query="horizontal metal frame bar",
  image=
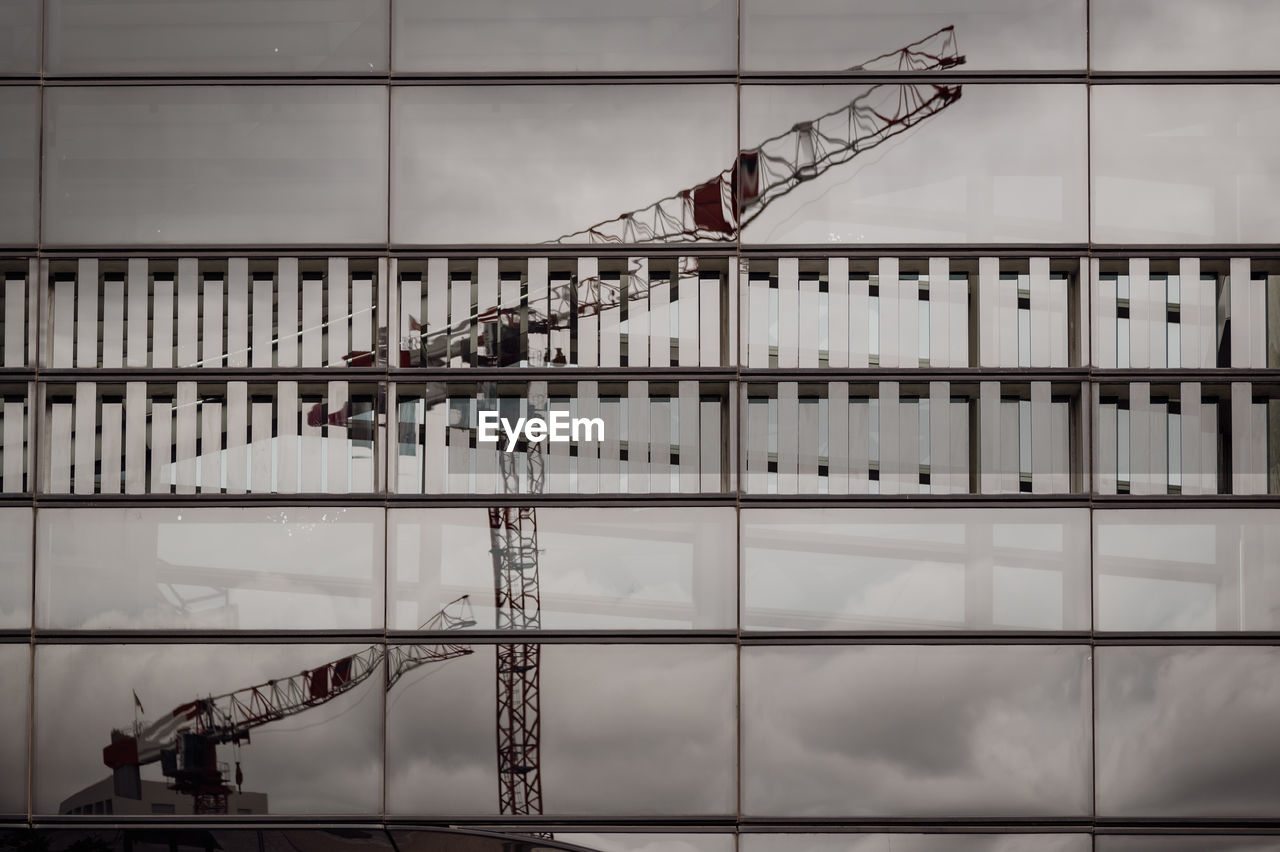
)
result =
(728, 76)
(1099, 502)
(1102, 826)
(727, 637)
(745, 375)
(746, 250)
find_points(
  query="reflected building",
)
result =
(933, 349)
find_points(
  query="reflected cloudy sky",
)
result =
(1184, 35)
(1002, 164)
(15, 568)
(914, 843)
(19, 154)
(326, 760)
(650, 842)
(487, 36)
(831, 35)
(978, 730)
(1174, 164)
(1188, 732)
(15, 668)
(1173, 843)
(626, 729)
(583, 154)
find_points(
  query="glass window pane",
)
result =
(628, 569)
(20, 37)
(138, 838)
(200, 165)
(211, 568)
(664, 842)
(19, 158)
(902, 731)
(915, 843)
(17, 421)
(1192, 843)
(920, 163)
(88, 37)
(818, 35)
(634, 730)
(1187, 732)
(582, 155)
(15, 568)
(324, 756)
(927, 569)
(466, 36)
(15, 673)
(1185, 164)
(1184, 35)
(1187, 569)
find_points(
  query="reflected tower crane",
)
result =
(185, 741)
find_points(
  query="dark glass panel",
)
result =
(120, 37)
(200, 165)
(916, 731)
(1188, 732)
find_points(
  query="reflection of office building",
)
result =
(934, 500)
(156, 799)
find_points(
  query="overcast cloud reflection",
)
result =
(1193, 843)
(488, 36)
(583, 154)
(1188, 732)
(1184, 35)
(632, 730)
(1185, 164)
(663, 842)
(960, 731)
(936, 569)
(325, 760)
(833, 35)
(914, 843)
(15, 673)
(19, 156)
(1001, 164)
(15, 568)
(599, 568)
(209, 567)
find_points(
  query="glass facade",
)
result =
(436, 425)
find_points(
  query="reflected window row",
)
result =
(943, 732)
(365, 165)
(875, 571)
(652, 312)
(129, 37)
(640, 437)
